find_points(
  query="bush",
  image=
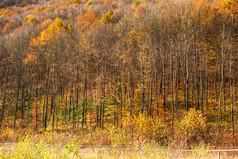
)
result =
(141, 125)
(193, 127)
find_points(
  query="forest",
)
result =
(128, 73)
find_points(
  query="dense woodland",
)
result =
(163, 69)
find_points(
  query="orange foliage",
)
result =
(30, 58)
(61, 8)
(6, 28)
(90, 18)
(4, 12)
(113, 5)
(27, 6)
(35, 115)
(68, 3)
(140, 10)
(46, 23)
(17, 11)
(39, 9)
(230, 6)
(107, 1)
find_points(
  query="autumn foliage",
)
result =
(159, 72)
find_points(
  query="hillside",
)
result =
(157, 72)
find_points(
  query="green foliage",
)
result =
(118, 137)
(137, 3)
(108, 18)
(26, 149)
(29, 149)
(76, 2)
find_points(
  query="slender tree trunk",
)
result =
(176, 89)
(84, 96)
(103, 102)
(221, 85)
(53, 98)
(164, 86)
(142, 85)
(47, 95)
(17, 96)
(172, 94)
(4, 96)
(231, 95)
(121, 98)
(23, 97)
(28, 106)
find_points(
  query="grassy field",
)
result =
(95, 144)
(26, 149)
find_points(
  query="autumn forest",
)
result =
(119, 73)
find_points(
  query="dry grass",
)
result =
(86, 145)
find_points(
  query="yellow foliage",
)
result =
(69, 15)
(230, 6)
(17, 11)
(89, 3)
(137, 3)
(39, 9)
(193, 125)
(108, 18)
(49, 33)
(30, 19)
(46, 23)
(58, 24)
(30, 58)
(76, 2)
(143, 125)
(68, 3)
(6, 133)
(4, 12)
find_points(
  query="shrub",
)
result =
(193, 126)
(153, 128)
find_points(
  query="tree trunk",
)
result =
(4, 96)
(17, 96)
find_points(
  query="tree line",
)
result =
(158, 60)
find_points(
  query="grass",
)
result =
(93, 144)
(27, 149)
